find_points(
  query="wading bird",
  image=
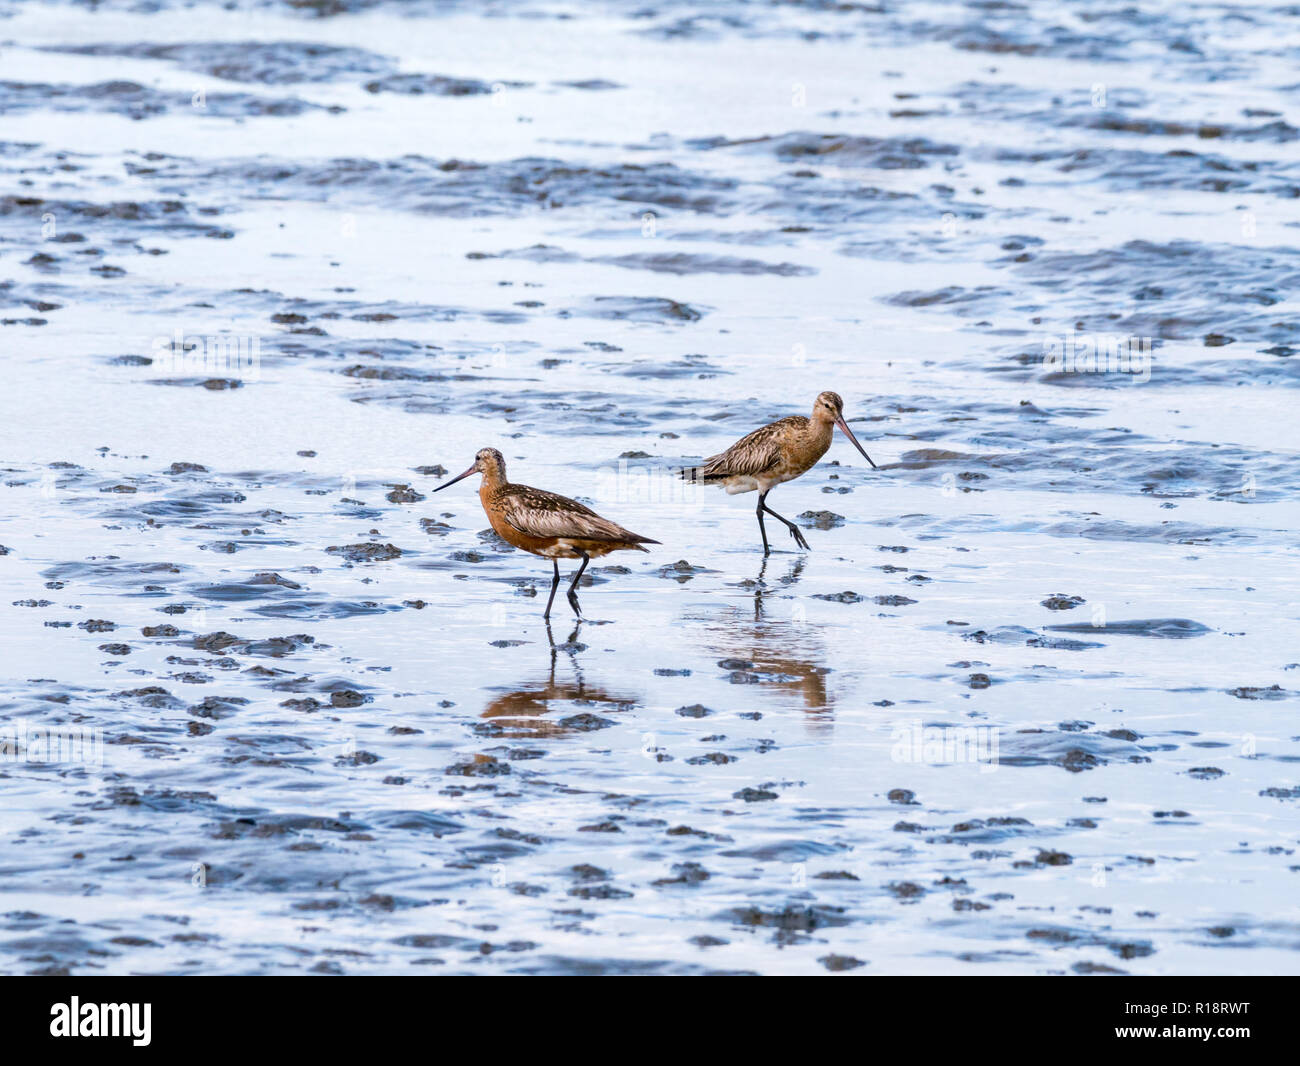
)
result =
(545, 523)
(778, 452)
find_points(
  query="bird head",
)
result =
(488, 462)
(829, 408)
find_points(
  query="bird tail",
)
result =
(698, 475)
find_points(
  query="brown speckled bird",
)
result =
(778, 452)
(545, 523)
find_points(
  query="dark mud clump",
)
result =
(1061, 602)
(367, 552)
(261, 62)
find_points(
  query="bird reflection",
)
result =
(520, 712)
(762, 588)
(776, 647)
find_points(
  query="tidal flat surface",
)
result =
(1029, 706)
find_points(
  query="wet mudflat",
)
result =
(1029, 704)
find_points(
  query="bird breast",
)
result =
(803, 454)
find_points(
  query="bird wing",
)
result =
(753, 453)
(538, 513)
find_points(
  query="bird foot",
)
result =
(799, 539)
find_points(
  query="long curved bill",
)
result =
(849, 433)
(462, 477)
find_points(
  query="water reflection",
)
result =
(521, 712)
(771, 644)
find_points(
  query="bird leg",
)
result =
(573, 587)
(555, 584)
(794, 530)
(761, 528)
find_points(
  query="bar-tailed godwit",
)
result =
(545, 523)
(777, 452)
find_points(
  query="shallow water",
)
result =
(1028, 706)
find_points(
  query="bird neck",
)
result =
(493, 479)
(820, 430)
